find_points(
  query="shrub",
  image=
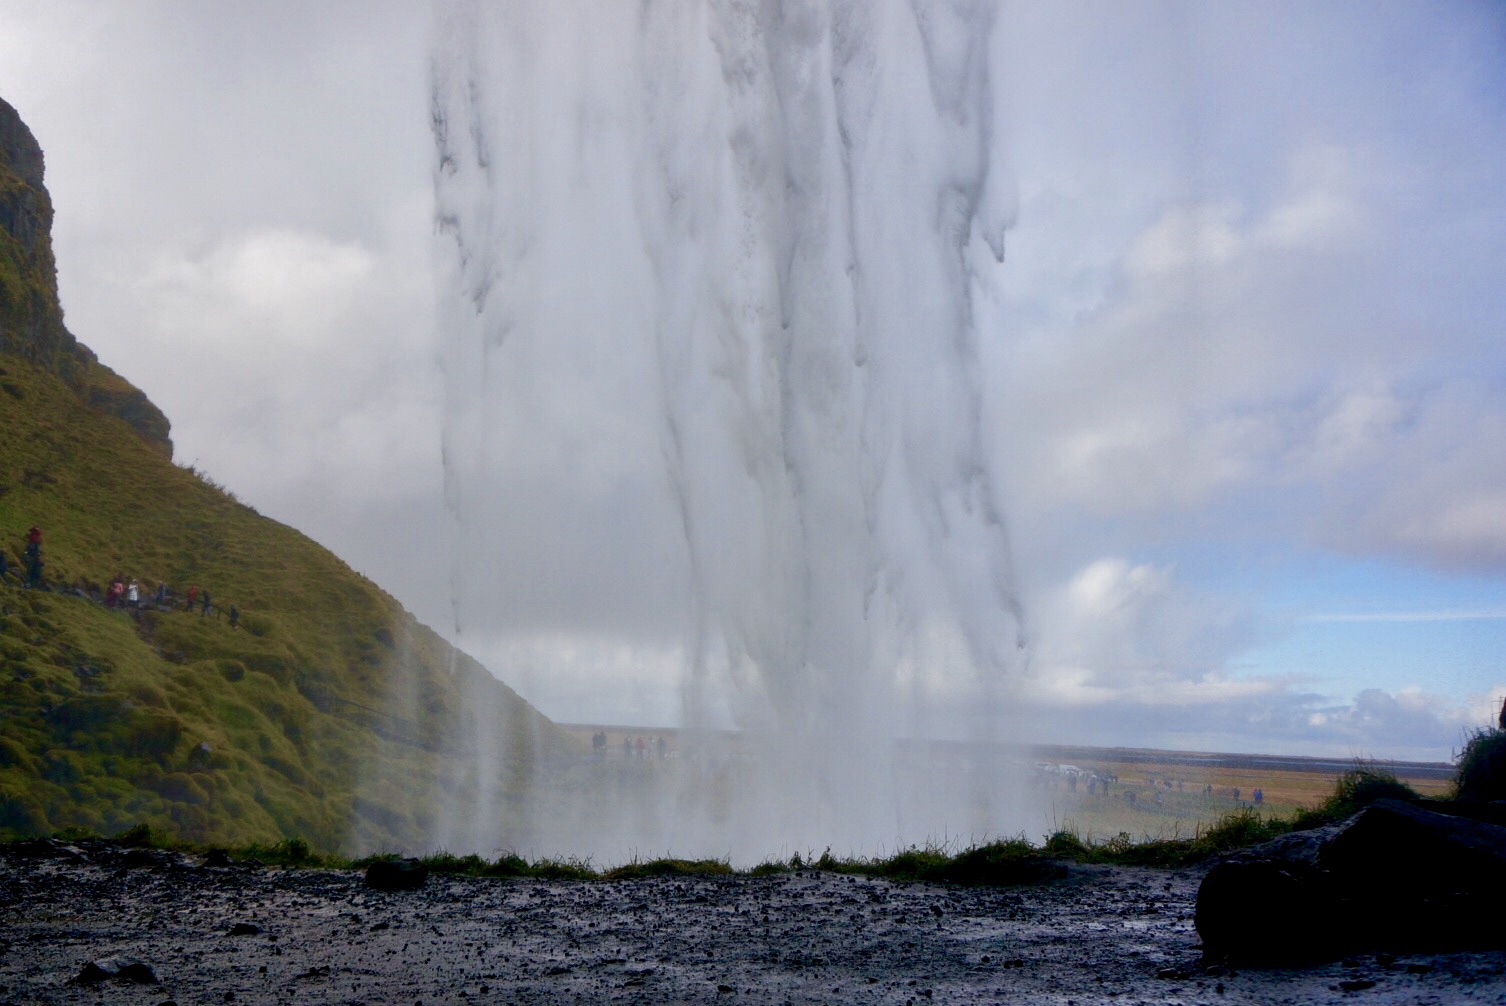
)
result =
(564, 869)
(1063, 844)
(140, 836)
(1359, 788)
(669, 868)
(1242, 828)
(1480, 773)
(999, 864)
(507, 865)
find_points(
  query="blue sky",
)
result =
(1245, 361)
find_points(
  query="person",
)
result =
(133, 593)
(34, 557)
(114, 592)
(193, 595)
(235, 616)
(204, 606)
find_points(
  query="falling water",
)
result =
(714, 404)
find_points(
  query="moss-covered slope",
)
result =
(296, 721)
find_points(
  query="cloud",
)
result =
(1128, 654)
(1266, 369)
(1250, 314)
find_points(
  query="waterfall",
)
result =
(714, 399)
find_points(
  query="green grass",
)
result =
(298, 722)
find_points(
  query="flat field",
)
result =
(1148, 794)
(1169, 794)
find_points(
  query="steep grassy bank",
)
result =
(324, 711)
(295, 722)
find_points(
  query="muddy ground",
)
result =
(202, 934)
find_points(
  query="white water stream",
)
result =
(707, 285)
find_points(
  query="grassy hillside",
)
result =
(327, 713)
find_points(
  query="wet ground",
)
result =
(99, 924)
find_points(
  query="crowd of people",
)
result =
(632, 747)
(122, 592)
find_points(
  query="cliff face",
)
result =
(31, 318)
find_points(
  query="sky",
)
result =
(1245, 361)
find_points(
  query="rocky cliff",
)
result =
(31, 318)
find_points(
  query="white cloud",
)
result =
(1118, 631)
(1252, 298)
(1186, 237)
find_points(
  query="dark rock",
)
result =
(91, 974)
(1395, 876)
(217, 858)
(146, 858)
(45, 848)
(95, 972)
(1405, 850)
(245, 929)
(1270, 902)
(396, 875)
(138, 972)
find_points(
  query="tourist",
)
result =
(34, 557)
(133, 593)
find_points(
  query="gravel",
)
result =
(94, 923)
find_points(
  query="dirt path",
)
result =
(248, 935)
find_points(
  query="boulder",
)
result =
(1400, 849)
(1394, 877)
(1270, 902)
(396, 875)
(119, 969)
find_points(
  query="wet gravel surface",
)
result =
(106, 925)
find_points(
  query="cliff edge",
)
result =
(31, 317)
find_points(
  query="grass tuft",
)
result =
(670, 868)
